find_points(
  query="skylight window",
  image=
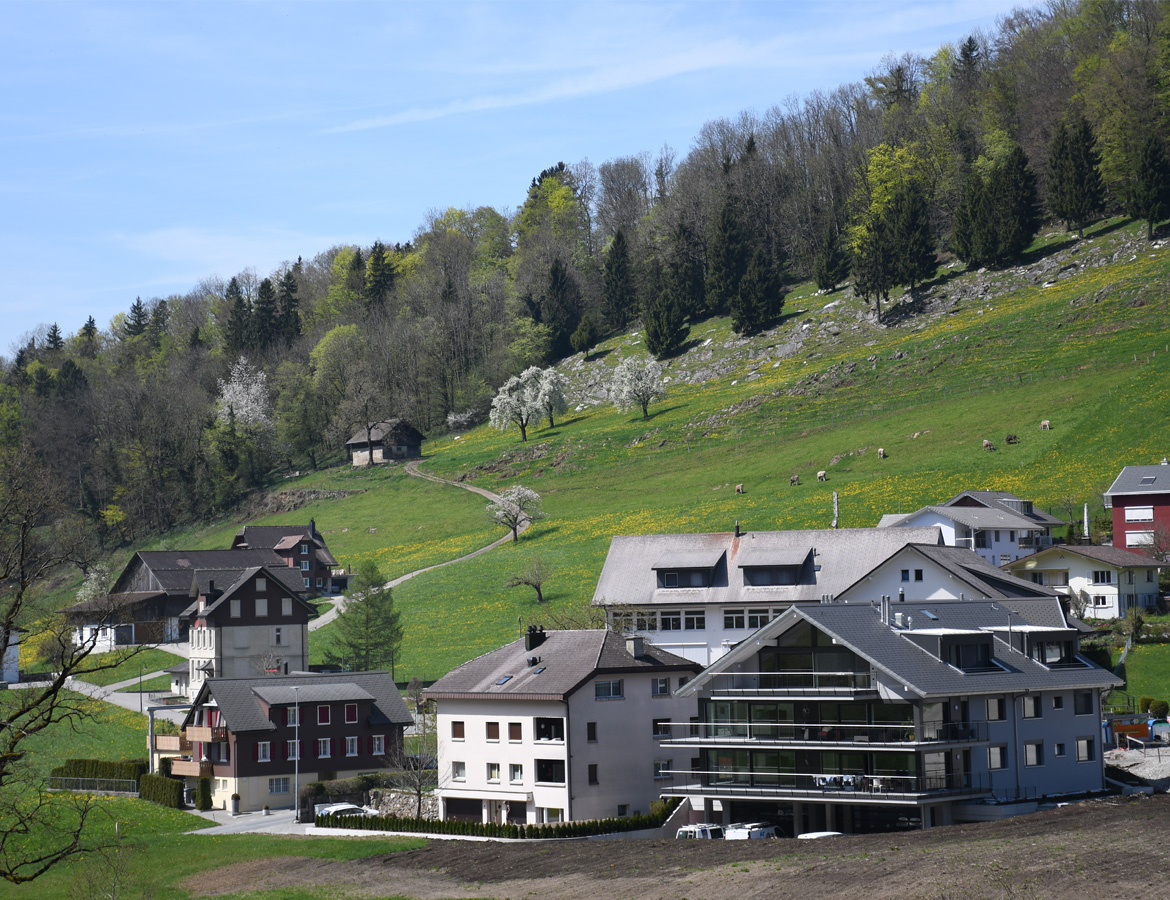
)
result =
(1149, 479)
(929, 615)
(505, 679)
(538, 671)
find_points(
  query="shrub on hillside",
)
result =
(124, 769)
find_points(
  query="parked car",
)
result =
(742, 831)
(705, 831)
(343, 809)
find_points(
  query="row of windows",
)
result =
(548, 771)
(753, 576)
(1034, 753)
(545, 729)
(692, 620)
(1034, 705)
(323, 747)
(324, 714)
(235, 607)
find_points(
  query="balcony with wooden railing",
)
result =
(209, 734)
(192, 767)
(172, 743)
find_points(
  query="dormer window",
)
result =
(765, 576)
(694, 578)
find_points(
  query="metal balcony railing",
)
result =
(875, 787)
(730, 733)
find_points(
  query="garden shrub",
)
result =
(125, 769)
(1144, 704)
(162, 790)
(1159, 709)
(203, 795)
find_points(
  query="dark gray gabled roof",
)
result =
(983, 579)
(982, 510)
(565, 661)
(241, 700)
(906, 664)
(175, 571)
(832, 560)
(389, 431)
(1141, 480)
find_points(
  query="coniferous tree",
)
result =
(729, 259)
(355, 278)
(618, 298)
(1013, 204)
(585, 336)
(1075, 191)
(1148, 195)
(157, 327)
(265, 321)
(831, 267)
(759, 296)
(561, 307)
(53, 340)
(662, 319)
(239, 326)
(911, 238)
(137, 319)
(379, 275)
(685, 267)
(969, 241)
(290, 316)
(873, 264)
(89, 334)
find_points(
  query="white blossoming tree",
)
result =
(517, 402)
(636, 384)
(245, 395)
(550, 394)
(516, 507)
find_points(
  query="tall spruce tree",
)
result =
(1075, 192)
(911, 238)
(137, 319)
(618, 300)
(831, 266)
(53, 340)
(685, 266)
(265, 320)
(239, 326)
(756, 302)
(729, 260)
(1014, 205)
(662, 319)
(89, 334)
(290, 315)
(380, 275)
(873, 263)
(1147, 196)
(561, 307)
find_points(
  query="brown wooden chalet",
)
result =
(383, 441)
(243, 733)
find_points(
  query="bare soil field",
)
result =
(1115, 847)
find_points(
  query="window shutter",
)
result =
(370, 743)
(286, 715)
(256, 751)
(332, 747)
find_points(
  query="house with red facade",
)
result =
(259, 738)
(1140, 500)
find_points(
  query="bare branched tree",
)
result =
(534, 576)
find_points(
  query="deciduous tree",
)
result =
(515, 508)
(517, 402)
(636, 384)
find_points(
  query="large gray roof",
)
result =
(1131, 478)
(567, 660)
(983, 579)
(983, 510)
(175, 570)
(842, 556)
(1112, 556)
(239, 699)
(889, 649)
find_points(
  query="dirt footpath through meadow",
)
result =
(1116, 847)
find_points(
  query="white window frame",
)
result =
(264, 751)
(662, 769)
(997, 757)
(1086, 749)
(324, 748)
(348, 719)
(293, 749)
(609, 689)
(694, 620)
(352, 745)
(660, 687)
(379, 744)
(1139, 538)
(305, 565)
(493, 773)
(278, 785)
(1139, 514)
(324, 714)
(458, 770)
(734, 619)
(1102, 576)
(1033, 754)
(516, 773)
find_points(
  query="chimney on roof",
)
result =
(1165, 461)
(737, 531)
(312, 527)
(635, 646)
(885, 609)
(533, 638)
(901, 595)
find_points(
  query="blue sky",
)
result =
(147, 146)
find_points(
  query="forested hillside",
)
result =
(182, 406)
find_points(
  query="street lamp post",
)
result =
(297, 758)
(140, 669)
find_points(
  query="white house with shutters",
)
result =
(1100, 582)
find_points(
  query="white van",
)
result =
(705, 831)
(749, 831)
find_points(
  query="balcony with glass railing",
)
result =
(871, 787)
(792, 683)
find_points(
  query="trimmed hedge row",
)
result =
(161, 790)
(125, 769)
(478, 829)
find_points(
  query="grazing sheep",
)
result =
(739, 488)
(881, 452)
(794, 480)
(987, 445)
(1045, 425)
(822, 475)
(1012, 439)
